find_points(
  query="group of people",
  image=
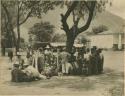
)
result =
(44, 63)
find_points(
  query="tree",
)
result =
(80, 10)
(42, 31)
(8, 36)
(59, 38)
(23, 10)
(7, 25)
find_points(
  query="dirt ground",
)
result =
(110, 83)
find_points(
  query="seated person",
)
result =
(17, 74)
(47, 71)
(50, 71)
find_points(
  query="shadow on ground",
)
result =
(109, 77)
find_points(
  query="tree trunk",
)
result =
(9, 25)
(18, 30)
(69, 42)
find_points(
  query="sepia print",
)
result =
(62, 47)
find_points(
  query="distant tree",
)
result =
(59, 38)
(22, 10)
(99, 29)
(42, 31)
(84, 40)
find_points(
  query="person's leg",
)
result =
(63, 69)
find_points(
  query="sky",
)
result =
(117, 8)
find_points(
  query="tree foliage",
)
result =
(80, 11)
(59, 38)
(42, 31)
(23, 10)
(83, 11)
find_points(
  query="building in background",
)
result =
(114, 37)
(109, 40)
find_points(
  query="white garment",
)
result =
(86, 56)
(35, 59)
(30, 71)
(66, 67)
(76, 54)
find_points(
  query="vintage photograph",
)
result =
(62, 47)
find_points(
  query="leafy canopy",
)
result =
(42, 31)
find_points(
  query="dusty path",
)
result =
(108, 84)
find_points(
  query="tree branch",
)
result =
(74, 4)
(64, 24)
(91, 11)
(77, 21)
(87, 5)
(28, 15)
(64, 17)
(73, 16)
(20, 6)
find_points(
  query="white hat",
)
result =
(47, 46)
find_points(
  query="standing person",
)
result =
(64, 61)
(59, 59)
(29, 53)
(48, 55)
(41, 61)
(76, 54)
(87, 64)
(35, 59)
(10, 55)
(94, 60)
(80, 64)
(100, 60)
